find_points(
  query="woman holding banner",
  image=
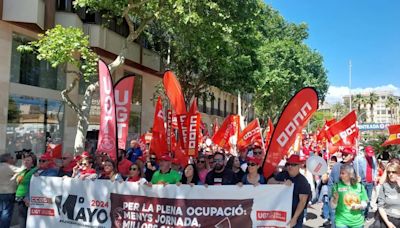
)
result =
(349, 199)
(136, 174)
(110, 171)
(252, 176)
(83, 170)
(190, 175)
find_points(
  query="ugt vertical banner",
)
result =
(108, 128)
(123, 99)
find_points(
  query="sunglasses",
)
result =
(251, 164)
(84, 164)
(42, 161)
(153, 158)
(257, 153)
(292, 165)
(202, 161)
(133, 168)
(391, 172)
(65, 158)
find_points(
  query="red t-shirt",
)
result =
(368, 174)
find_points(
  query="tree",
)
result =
(359, 100)
(338, 110)
(371, 100)
(392, 104)
(383, 152)
(318, 120)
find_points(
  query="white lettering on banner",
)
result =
(349, 131)
(169, 128)
(192, 140)
(121, 111)
(292, 126)
(182, 119)
(251, 133)
(98, 203)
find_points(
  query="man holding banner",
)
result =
(219, 175)
(301, 191)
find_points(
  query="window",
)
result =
(27, 69)
(32, 122)
(225, 113)
(219, 107)
(232, 108)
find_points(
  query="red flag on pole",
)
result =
(158, 143)
(294, 117)
(123, 99)
(215, 126)
(345, 131)
(250, 134)
(174, 92)
(323, 132)
(107, 141)
(394, 136)
(229, 128)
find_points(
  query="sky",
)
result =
(367, 32)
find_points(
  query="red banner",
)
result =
(322, 135)
(174, 92)
(108, 122)
(193, 133)
(394, 136)
(344, 132)
(182, 129)
(158, 143)
(123, 100)
(169, 129)
(229, 128)
(250, 134)
(215, 126)
(293, 119)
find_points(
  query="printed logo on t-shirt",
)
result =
(217, 181)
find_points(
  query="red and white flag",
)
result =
(344, 132)
(394, 136)
(294, 117)
(158, 143)
(174, 92)
(249, 135)
(215, 126)
(322, 134)
(107, 141)
(228, 129)
(123, 98)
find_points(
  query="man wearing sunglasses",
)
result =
(47, 166)
(219, 175)
(301, 188)
(67, 166)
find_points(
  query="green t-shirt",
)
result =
(170, 177)
(349, 194)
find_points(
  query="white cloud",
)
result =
(336, 93)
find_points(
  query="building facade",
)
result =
(32, 110)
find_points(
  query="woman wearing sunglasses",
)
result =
(252, 176)
(110, 172)
(83, 169)
(136, 174)
(389, 198)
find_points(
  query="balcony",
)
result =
(31, 11)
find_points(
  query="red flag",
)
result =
(193, 108)
(250, 134)
(182, 129)
(215, 126)
(394, 136)
(323, 132)
(229, 128)
(142, 142)
(332, 149)
(123, 99)
(344, 132)
(108, 122)
(169, 129)
(158, 143)
(293, 119)
(174, 92)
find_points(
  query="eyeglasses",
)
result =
(84, 164)
(133, 168)
(292, 165)
(251, 164)
(202, 161)
(42, 160)
(219, 160)
(391, 172)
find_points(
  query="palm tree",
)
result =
(371, 100)
(338, 110)
(358, 100)
(392, 104)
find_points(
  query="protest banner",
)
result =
(64, 202)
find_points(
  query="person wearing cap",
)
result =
(348, 155)
(166, 175)
(47, 167)
(220, 175)
(367, 169)
(301, 190)
(252, 176)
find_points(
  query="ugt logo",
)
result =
(66, 210)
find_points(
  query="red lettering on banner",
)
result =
(271, 215)
(292, 126)
(42, 211)
(41, 200)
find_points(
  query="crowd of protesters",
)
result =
(345, 190)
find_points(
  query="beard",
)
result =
(218, 167)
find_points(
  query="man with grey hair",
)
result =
(7, 188)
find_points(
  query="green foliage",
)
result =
(318, 120)
(376, 140)
(65, 45)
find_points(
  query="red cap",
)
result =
(46, 156)
(294, 159)
(348, 150)
(369, 151)
(165, 158)
(254, 160)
